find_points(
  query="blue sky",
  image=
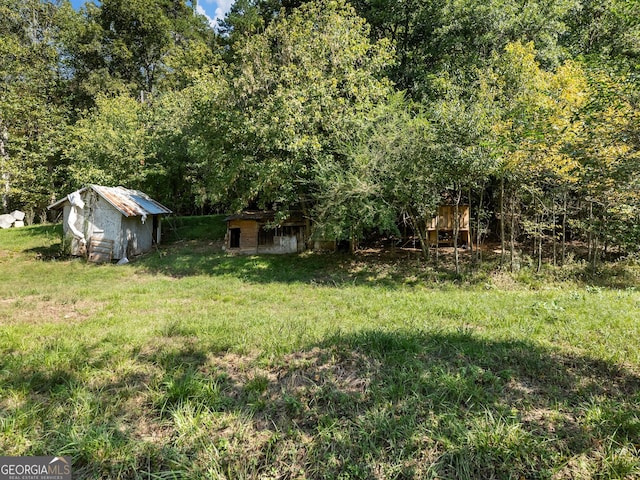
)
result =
(212, 9)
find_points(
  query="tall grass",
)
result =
(189, 363)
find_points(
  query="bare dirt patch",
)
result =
(35, 310)
(296, 372)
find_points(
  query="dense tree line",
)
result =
(363, 114)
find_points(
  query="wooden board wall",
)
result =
(445, 218)
(444, 223)
(248, 235)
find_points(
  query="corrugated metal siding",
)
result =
(136, 236)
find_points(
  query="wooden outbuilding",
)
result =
(110, 223)
(441, 228)
(255, 232)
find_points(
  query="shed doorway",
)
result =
(234, 240)
(155, 234)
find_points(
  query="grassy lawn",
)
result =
(187, 363)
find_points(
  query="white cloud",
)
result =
(219, 7)
(211, 21)
(222, 7)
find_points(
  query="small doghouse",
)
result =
(110, 223)
(441, 227)
(257, 232)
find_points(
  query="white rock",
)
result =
(18, 215)
(6, 221)
(18, 224)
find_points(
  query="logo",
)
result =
(35, 468)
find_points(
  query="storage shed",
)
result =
(254, 232)
(110, 223)
(441, 227)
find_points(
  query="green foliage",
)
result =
(609, 147)
(386, 175)
(130, 47)
(291, 101)
(123, 141)
(464, 153)
(175, 177)
(31, 112)
(110, 145)
(451, 38)
(203, 227)
(360, 114)
(605, 30)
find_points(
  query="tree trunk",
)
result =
(4, 169)
(437, 235)
(424, 240)
(456, 232)
(424, 245)
(590, 234)
(553, 231)
(512, 233)
(564, 227)
(540, 226)
(502, 221)
(534, 237)
(353, 243)
(478, 235)
(595, 238)
(308, 243)
(470, 235)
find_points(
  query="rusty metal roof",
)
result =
(252, 215)
(131, 203)
(295, 218)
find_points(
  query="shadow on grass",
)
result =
(51, 252)
(194, 248)
(330, 269)
(42, 240)
(337, 269)
(371, 404)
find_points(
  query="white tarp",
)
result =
(74, 213)
(6, 221)
(18, 215)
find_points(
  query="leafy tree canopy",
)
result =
(290, 102)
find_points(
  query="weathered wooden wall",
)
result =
(248, 236)
(249, 239)
(136, 237)
(444, 222)
(446, 216)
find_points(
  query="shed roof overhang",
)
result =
(130, 203)
(267, 216)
